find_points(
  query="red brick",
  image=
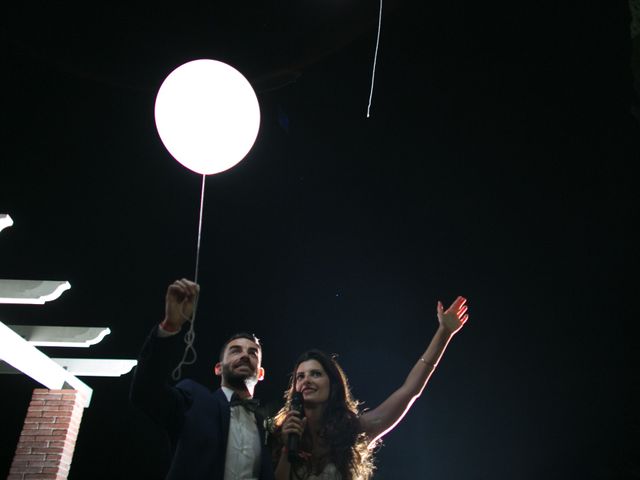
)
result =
(16, 474)
(31, 469)
(49, 450)
(67, 417)
(46, 438)
(40, 420)
(60, 413)
(57, 444)
(40, 398)
(49, 408)
(50, 396)
(41, 465)
(29, 458)
(34, 445)
(61, 402)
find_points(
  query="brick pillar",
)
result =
(48, 437)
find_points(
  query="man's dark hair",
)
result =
(235, 336)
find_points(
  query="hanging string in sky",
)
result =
(375, 58)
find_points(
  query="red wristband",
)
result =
(168, 328)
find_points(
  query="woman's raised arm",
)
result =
(377, 422)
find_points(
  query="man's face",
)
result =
(241, 364)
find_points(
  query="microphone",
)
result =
(297, 403)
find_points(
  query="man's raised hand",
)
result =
(179, 302)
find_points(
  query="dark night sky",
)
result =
(497, 165)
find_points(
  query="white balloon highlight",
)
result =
(207, 116)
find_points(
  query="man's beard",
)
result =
(238, 380)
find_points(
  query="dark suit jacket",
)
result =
(196, 419)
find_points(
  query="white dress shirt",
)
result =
(243, 444)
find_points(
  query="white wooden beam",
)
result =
(48, 336)
(5, 221)
(17, 352)
(86, 367)
(35, 292)
(96, 367)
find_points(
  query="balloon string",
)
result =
(375, 58)
(190, 336)
(195, 277)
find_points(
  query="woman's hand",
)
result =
(453, 318)
(292, 424)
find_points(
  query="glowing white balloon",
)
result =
(207, 115)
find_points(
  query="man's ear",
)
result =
(260, 374)
(218, 369)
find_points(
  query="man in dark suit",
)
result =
(214, 435)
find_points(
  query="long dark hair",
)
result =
(340, 430)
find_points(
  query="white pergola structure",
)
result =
(46, 444)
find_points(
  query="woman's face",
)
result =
(313, 382)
